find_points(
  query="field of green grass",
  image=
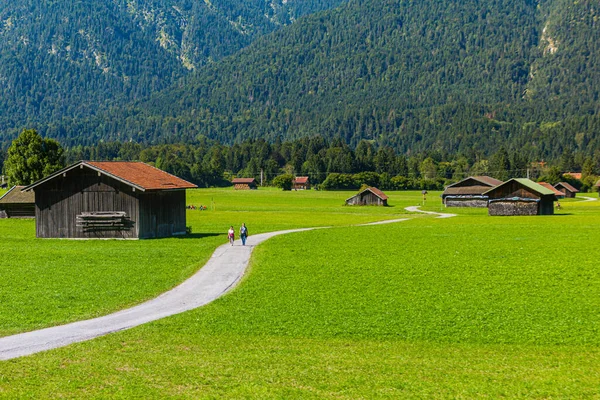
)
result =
(467, 307)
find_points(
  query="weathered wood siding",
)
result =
(366, 199)
(18, 210)
(162, 214)
(245, 186)
(60, 200)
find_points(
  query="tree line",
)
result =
(329, 163)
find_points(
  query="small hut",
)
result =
(574, 175)
(566, 189)
(557, 193)
(17, 204)
(370, 196)
(597, 186)
(108, 200)
(469, 192)
(244, 183)
(301, 183)
(520, 196)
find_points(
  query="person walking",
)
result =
(243, 233)
(231, 234)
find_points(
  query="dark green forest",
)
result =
(62, 59)
(417, 77)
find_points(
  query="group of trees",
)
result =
(331, 163)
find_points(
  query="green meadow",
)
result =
(466, 307)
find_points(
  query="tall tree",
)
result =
(31, 157)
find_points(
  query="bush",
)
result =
(284, 181)
(340, 182)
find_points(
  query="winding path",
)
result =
(440, 215)
(218, 276)
(587, 199)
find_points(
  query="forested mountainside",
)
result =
(415, 75)
(71, 58)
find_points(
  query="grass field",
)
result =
(468, 307)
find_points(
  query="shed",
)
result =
(370, 196)
(17, 204)
(244, 183)
(567, 189)
(301, 183)
(557, 193)
(469, 192)
(520, 196)
(597, 186)
(127, 200)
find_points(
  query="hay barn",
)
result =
(566, 189)
(469, 192)
(520, 196)
(101, 200)
(370, 196)
(17, 204)
(244, 183)
(301, 183)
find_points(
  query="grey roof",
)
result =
(16, 196)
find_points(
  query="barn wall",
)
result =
(162, 214)
(19, 210)
(509, 207)
(60, 200)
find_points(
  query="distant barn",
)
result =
(597, 186)
(567, 189)
(557, 193)
(370, 196)
(301, 183)
(17, 204)
(469, 192)
(520, 196)
(128, 200)
(244, 183)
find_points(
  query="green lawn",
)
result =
(49, 282)
(468, 307)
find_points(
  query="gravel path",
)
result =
(587, 199)
(440, 215)
(220, 274)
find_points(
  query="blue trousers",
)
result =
(243, 239)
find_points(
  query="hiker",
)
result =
(557, 205)
(231, 235)
(243, 233)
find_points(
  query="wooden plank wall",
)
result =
(162, 214)
(60, 200)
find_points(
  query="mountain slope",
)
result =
(467, 76)
(65, 59)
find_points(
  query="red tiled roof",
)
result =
(301, 179)
(242, 180)
(377, 193)
(141, 175)
(549, 186)
(574, 175)
(567, 186)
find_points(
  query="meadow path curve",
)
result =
(587, 199)
(218, 276)
(440, 215)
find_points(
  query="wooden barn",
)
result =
(126, 200)
(566, 189)
(17, 204)
(370, 196)
(520, 196)
(557, 193)
(597, 186)
(301, 183)
(244, 183)
(469, 192)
